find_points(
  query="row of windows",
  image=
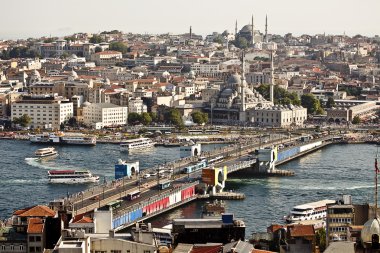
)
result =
(13, 247)
(338, 229)
(340, 220)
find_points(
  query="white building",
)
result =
(278, 116)
(208, 69)
(104, 114)
(137, 105)
(44, 110)
(106, 58)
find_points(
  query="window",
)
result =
(12, 247)
(146, 251)
(32, 249)
(31, 238)
(115, 251)
(38, 238)
(38, 249)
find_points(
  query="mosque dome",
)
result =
(85, 104)
(246, 29)
(73, 76)
(370, 228)
(166, 74)
(234, 79)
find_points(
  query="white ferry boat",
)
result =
(310, 211)
(136, 144)
(71, 176)
(46, 152)
(62, 138)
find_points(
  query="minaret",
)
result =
(271, 84)
(191, 33)
(252, 33)
(242, 115)
(266, 28)
(235, 28)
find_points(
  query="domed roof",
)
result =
(226, 92)
(370, 228)
(73, 76)
(166, 74)
(246, 28)
(234, 79)
(86, 104)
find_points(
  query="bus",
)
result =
(195, 131)
(133, 195)
(115, 204)
(164, 184)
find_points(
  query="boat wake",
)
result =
(35, 162)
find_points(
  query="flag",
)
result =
(376, 167)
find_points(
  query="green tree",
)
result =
(311, 103)
(119, 46)
(134, 118)
(175, 117)
(218, 39)
(145, 118)
(321, 239)
(72, 121)
(330, 102)
(96, 39)
(23, 121)
(153, 116)
(49, 40)
(356, 120)
(241, 42)
(98, 49)
(281, 96)
(199, 117)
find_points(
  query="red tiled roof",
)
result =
(261, 251)
(301, 230)
(35, 226)
(206, 249)
(274, 227)
(84, 219)
(35, 211)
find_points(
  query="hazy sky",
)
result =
(32, 18)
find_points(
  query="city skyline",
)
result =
(45, 19)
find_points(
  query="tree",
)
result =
(134, 118)
(119, 46)
(241, 42)
(153, 116)
(96, 39)
(145, 118)
(199, 117)
(98, 49)
(174, 117)
(72, 121)
(281, 96)
(330, 102)
(356, 120)
(218, 39)
(311, 103)
(23, 121)
(321, 239)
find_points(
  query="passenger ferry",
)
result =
(136, 144)
(310, 211)
(46, 152)
(62, 138)
(71, 176)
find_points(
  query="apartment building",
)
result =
(104, 114)
(44, 110)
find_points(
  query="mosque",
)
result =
(251, 34)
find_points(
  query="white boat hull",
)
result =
(73, 180)
(127, 149)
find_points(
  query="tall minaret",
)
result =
(242, 115)
(271, 84)
(191, 32)
(253, 33)
(236, 28)
(266, 28)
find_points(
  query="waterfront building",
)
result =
(278, 116)
(104, 114)
(346, 110)
(137, 105)
(44, 110)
